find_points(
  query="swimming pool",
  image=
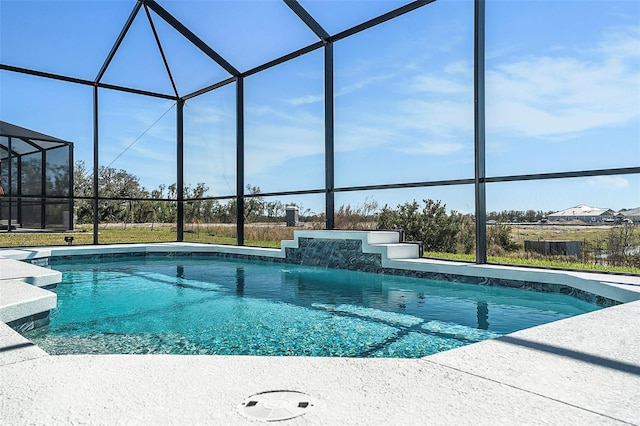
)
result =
(209, 305)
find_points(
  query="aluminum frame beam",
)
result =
(564, 175)
(303, 51)
(380, 19)
(180, 170)
(85, 82)
(240, 161)
(479, 133)
(96, 164)
(309, 21)
(164, 58)
(209, 88)
(189, 35)
(10, 182)
(43, 189)
(116, 45)
(71, 185)
(329, 139)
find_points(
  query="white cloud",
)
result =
(364, 82)
(364, 135)
(344, 90)
(609, 181)
(564, 96)
(303, 100)
(280, 137)
(142, 132)
(200, 115)
(435, 84)
(463, 68)
(444, 118)
(435, 148)
(551, 97)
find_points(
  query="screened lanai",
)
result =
(215, 116)
(39, 168)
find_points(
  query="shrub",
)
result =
(499, 239)
(431, 225)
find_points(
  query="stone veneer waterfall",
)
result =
(319, 252)
(333, 253)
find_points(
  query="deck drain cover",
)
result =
(274, 406)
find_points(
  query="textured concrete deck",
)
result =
(581, 370)
(576, 371)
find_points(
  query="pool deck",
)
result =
(581, 370)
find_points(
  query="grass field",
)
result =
(592, 234)
(270, 235)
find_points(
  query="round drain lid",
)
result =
(274, 406)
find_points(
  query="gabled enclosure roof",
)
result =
(176, 49)
(26, 141)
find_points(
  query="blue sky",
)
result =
(562, 84)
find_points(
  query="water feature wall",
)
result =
(330, 253)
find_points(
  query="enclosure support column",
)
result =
(95, 165)
(9, 189)
(329, 137)
(18, 185)
(240, 161)
(180, 170)
(479, 127)
(43, 190)
(71, 194)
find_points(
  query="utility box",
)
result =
(554, 248)
(292, 216)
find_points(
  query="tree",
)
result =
(621, 240)
(275, 211)
(195, 210)
(254, 207)
(116, 187)
(82, 187)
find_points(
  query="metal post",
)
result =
(329, 137)
(95, 165)
(180, 170)
(71, 183)
(9, 183)
(18, 185)
(43, 189)
(240, 161)
(479, 126)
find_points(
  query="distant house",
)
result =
(582, 213)
(631, 214)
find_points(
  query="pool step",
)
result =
(383, 237)
(401, 250)
(20, 300)
(386, 243)
(11, 269)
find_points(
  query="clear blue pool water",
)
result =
(204, 305)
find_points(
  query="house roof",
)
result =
(581, 210)
(631, 212)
